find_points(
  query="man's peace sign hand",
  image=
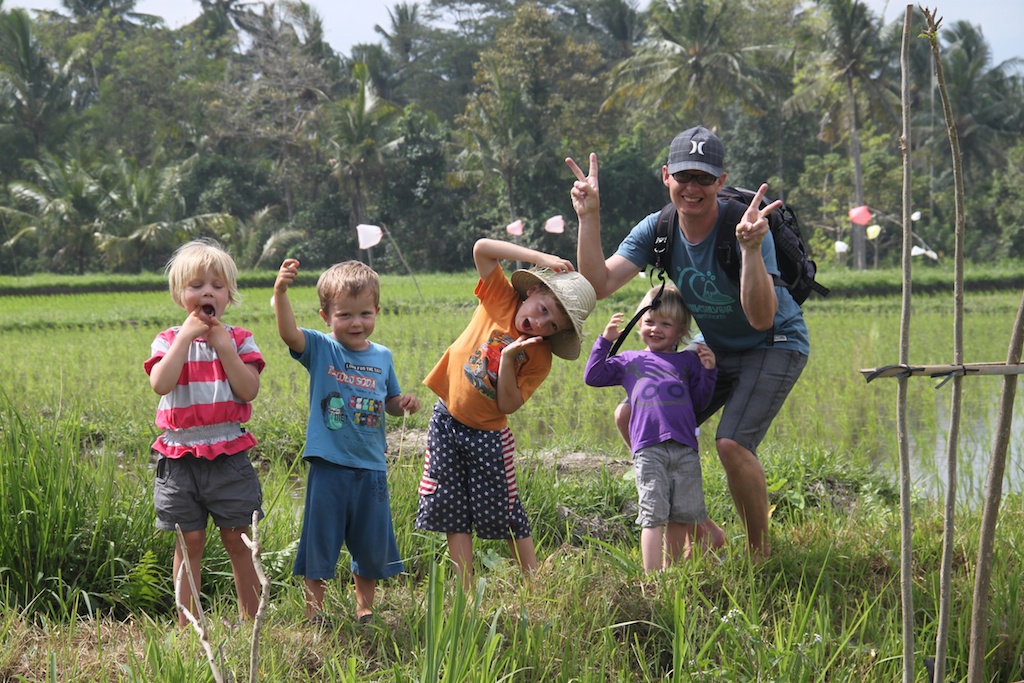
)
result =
(752, 228)
(586, 197)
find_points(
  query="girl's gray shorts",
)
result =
(189, 490)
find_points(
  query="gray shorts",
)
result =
(752, 385)
(189, 490)
(669, 485)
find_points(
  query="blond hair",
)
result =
(348, 279)
(670, 305)
(196, 258)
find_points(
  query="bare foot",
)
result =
(709, 534)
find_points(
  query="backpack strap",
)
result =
(655, 302)
(726, 251)
(664, 231)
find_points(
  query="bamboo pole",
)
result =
(956, 398)
(906, 523)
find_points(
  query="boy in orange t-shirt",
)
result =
(487, 374)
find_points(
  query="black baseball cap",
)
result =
(696, 149)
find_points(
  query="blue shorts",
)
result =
(752, 385)
(189, 490)
(469, 481)
(346, 506)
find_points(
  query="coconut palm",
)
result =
(985, 103)
(358, 135)
(851, 63)
(143, 216)
(58, 208)
(259, 238)
(35, 92)
(497, 136)
(689, 68)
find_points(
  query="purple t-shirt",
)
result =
(665, 391)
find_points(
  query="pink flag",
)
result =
(860, 215)
(515, 228)
(555, 224)
(369, 235)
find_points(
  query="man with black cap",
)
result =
(755, 329)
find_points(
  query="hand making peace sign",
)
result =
(752, 228)
(586, 197)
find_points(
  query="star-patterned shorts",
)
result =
(469, 481)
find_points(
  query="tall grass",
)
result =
(85, 578)
(63, 508)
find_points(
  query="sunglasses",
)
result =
(684, 177)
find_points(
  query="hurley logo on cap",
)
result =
(696, 149)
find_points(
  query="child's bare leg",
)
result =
(678, 541)
(622, 413)
(247, 583)
(365, 589)
(314, 592)
(650, 547)
(523, 550)
(195, 541)
(709, 534)
(460, 548)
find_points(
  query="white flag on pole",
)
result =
(369, 235)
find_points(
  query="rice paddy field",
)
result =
(85, 580)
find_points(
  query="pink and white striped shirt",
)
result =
(202, 416)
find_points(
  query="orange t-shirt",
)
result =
(465, 376)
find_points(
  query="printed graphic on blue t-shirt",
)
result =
(347, 395)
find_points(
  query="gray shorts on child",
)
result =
(669, 485)
(190, 490)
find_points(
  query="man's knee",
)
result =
(732, 455)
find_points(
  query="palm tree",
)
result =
(983, 97)
(34, 92)
(59, 209)
(498, 136)
(852, 61)
(358, 137)
(258, 239)
(143, 216)
(402, 41)
(689, 68)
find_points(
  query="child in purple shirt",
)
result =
(665, 388)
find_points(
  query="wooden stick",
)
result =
(199, 624)
(254, 546)
(943, 370)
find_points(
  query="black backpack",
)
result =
(796, 269)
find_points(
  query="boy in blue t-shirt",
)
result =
(352, 383)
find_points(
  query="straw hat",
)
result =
(577, 297)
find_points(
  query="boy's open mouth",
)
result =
(209, 310)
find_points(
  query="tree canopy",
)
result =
(120, 137)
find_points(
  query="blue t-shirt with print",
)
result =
(347, 391)
(712, 297)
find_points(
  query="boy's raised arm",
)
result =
(287, 329)
(487, 253)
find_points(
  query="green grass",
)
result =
(85, 587)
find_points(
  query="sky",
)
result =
(348, 22)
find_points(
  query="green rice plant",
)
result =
(60, 521)
(459, 645)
